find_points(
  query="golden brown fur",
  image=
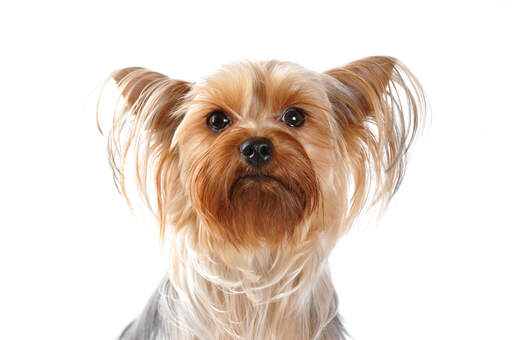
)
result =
(249, 245)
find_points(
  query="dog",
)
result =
(253, 174)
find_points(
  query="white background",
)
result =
(75, 264)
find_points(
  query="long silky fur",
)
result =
(364, 118)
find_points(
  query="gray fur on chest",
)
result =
(155, 321)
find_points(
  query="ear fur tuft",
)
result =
(380, 106)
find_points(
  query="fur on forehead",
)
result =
(258, 89)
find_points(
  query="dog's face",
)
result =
(256, 144)
(266, 154)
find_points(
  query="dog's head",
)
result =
(269, 153)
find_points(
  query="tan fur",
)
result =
(249, 246)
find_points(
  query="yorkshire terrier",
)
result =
(254, 173)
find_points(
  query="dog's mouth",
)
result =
(257, 178)
(254, 205)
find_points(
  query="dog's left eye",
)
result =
(217, 121)
(294, 117)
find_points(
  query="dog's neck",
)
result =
(262, 299)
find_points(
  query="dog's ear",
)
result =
(366, 81)
(149, 110)
(145, 90)
(379, 105)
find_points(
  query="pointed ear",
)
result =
(379, 106)
(142, 88)
(149, 110)
(365, 81)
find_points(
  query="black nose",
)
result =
(257, 151)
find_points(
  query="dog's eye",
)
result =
(217, 121)
(294, 117)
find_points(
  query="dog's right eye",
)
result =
(217, 121)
